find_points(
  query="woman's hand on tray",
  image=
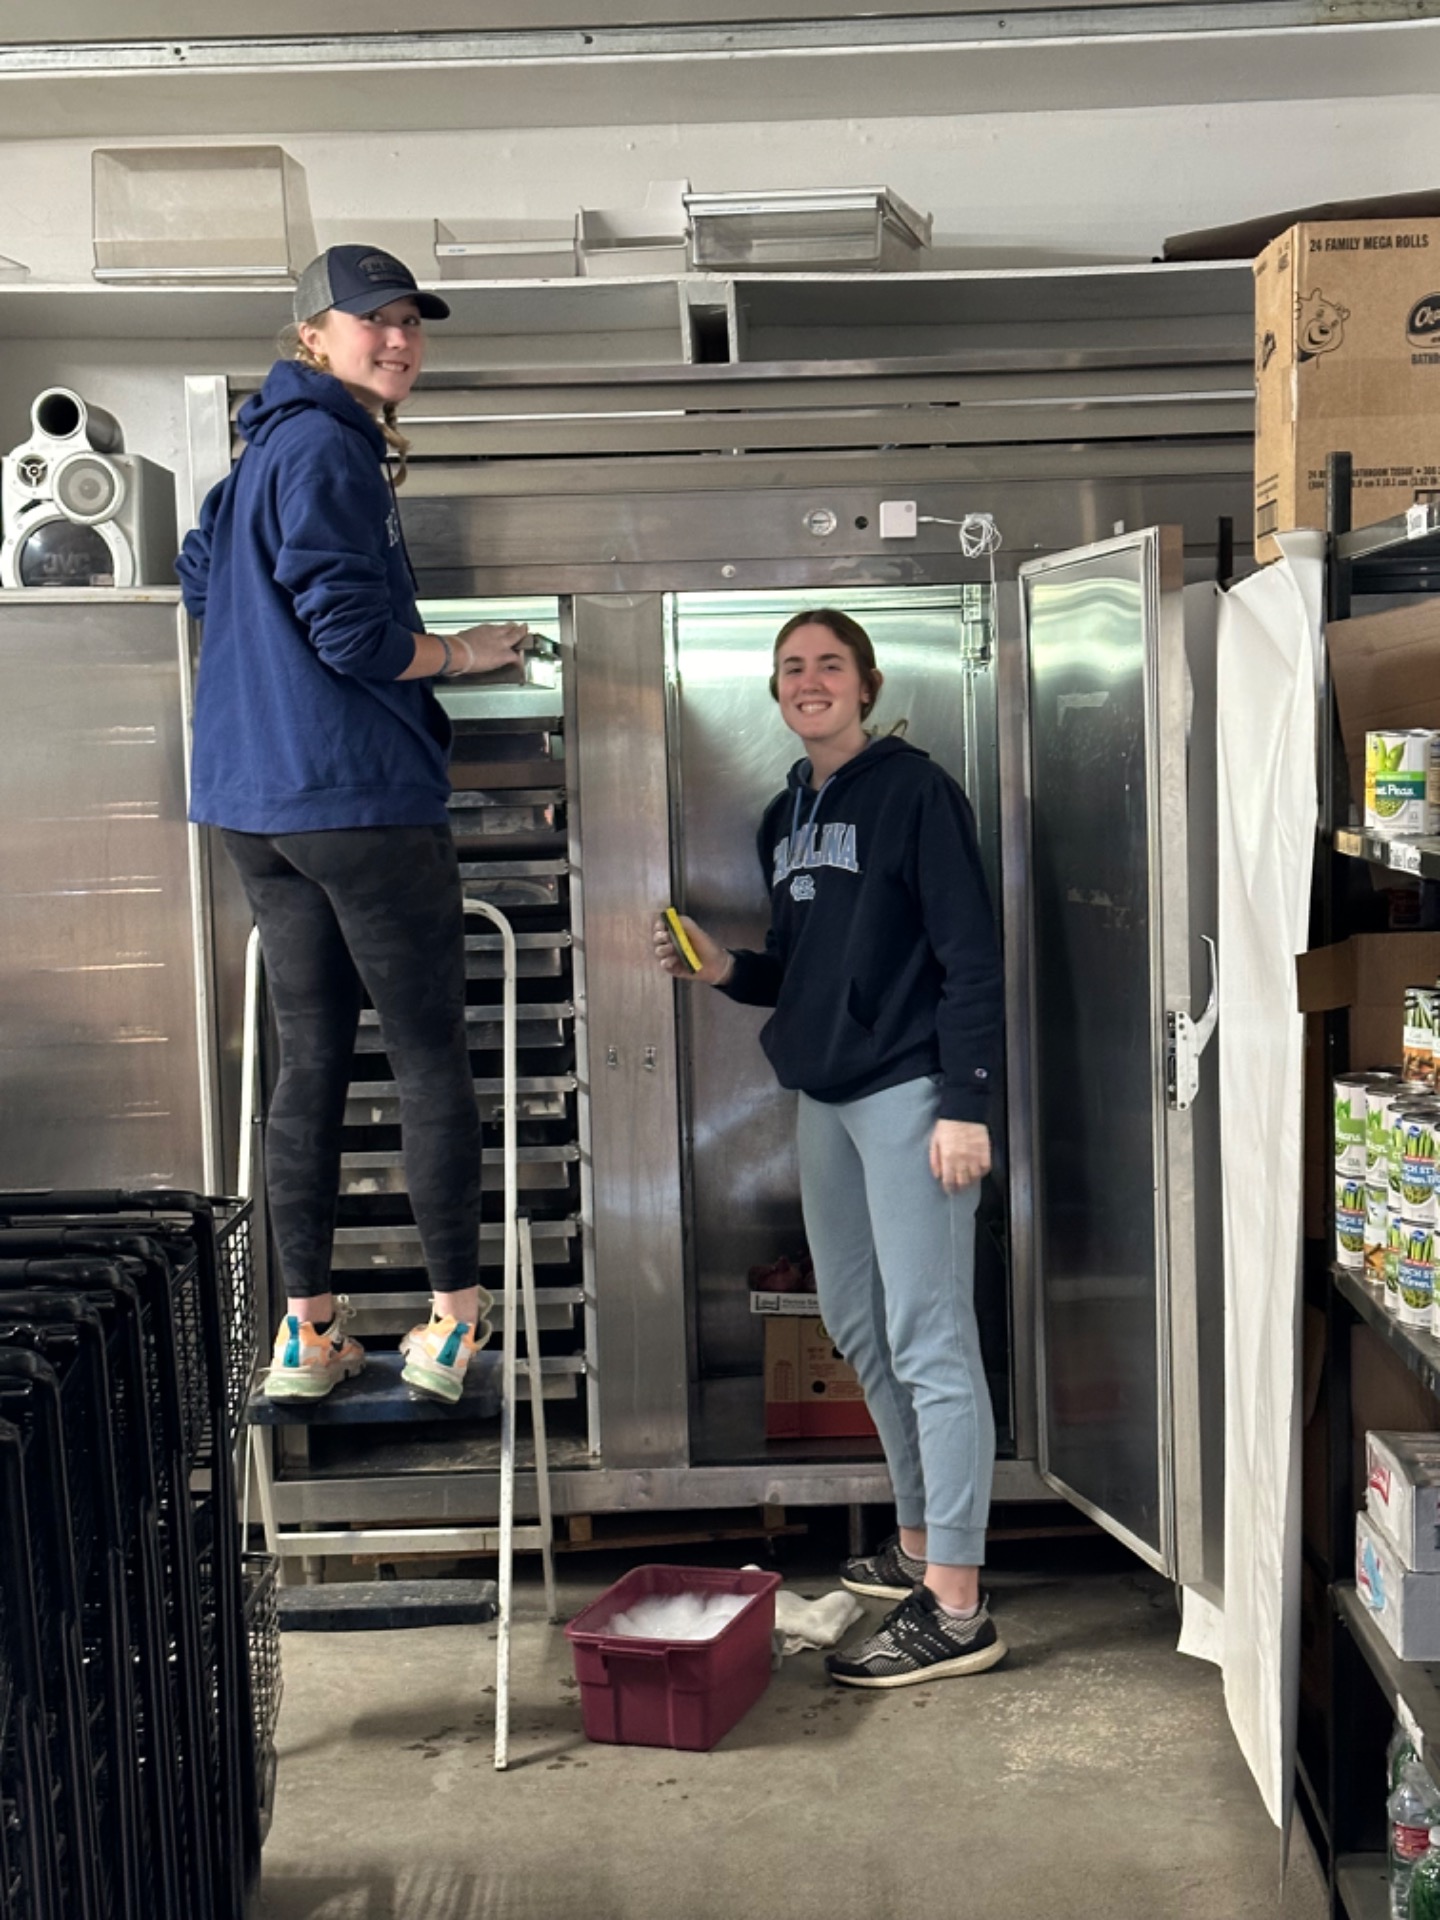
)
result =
(490, 649)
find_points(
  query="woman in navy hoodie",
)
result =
(882, 966)
(320, 752)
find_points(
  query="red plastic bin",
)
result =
(673, 1693)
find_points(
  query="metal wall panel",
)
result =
(631, 1078)
(104, 1011)
(685, 536)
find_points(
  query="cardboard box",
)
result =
(1402, 1495)
(1405, 1605)
(1319, 1123)
(1386, 672)
(1368, 973)
(802, 1304)
(1385, 1397)
(810, 1392)
(1314, 1435)
(1347, 358)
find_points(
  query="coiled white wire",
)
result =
(979, 535)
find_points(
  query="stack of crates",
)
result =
(136, 1755)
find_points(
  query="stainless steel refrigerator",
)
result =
(118, 1003)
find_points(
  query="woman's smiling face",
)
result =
(820, 687)
(378, 356)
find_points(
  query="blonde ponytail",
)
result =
(396, 441)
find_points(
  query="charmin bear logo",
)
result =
(1370, 1578)
(1422, 329)
(1320, 325)
(1269, 347)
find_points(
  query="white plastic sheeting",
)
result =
(1267, 685)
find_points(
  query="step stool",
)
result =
(379, 1396)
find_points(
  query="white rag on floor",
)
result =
(802, 1625)
(1268, 674)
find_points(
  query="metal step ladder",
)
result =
(378, 1397)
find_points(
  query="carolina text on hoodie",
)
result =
(881, 961)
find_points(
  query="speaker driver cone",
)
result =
(88, 489)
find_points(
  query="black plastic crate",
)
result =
(67, 1332)
(225, 1686)
(262, 1634)
(110, 1288)
(239, 1303)
(29, 1865)
(30, 1402)
(223, 1236)
(162, 1265)
(183, 1312)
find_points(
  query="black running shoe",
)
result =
(920, 1641)
(887, 1574)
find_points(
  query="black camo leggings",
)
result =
(378, 907)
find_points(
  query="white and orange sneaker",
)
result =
(437, 1355)
(307, 1364)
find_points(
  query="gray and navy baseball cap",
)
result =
(358, 280)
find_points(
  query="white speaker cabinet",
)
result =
(77, 512)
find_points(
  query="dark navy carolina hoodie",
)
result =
(299, 573)
(881, 961)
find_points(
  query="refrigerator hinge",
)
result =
(1187, 1039)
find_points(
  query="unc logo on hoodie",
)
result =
(831, 845)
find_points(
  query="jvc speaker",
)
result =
(77, 512)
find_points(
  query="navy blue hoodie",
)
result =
(298, 571)
(881, 961)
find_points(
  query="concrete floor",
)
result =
(1093, 1775)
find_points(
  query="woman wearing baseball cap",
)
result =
(320, 753)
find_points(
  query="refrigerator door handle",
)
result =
(1187, 1039)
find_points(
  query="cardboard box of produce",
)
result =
(1404, 1605)
(1347, 358)
(1402, 1495)
(810, 1392)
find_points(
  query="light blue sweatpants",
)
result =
(895, 1273)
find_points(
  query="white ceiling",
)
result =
(55, 21)
(337, 94)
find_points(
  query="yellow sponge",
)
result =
(680, 940)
